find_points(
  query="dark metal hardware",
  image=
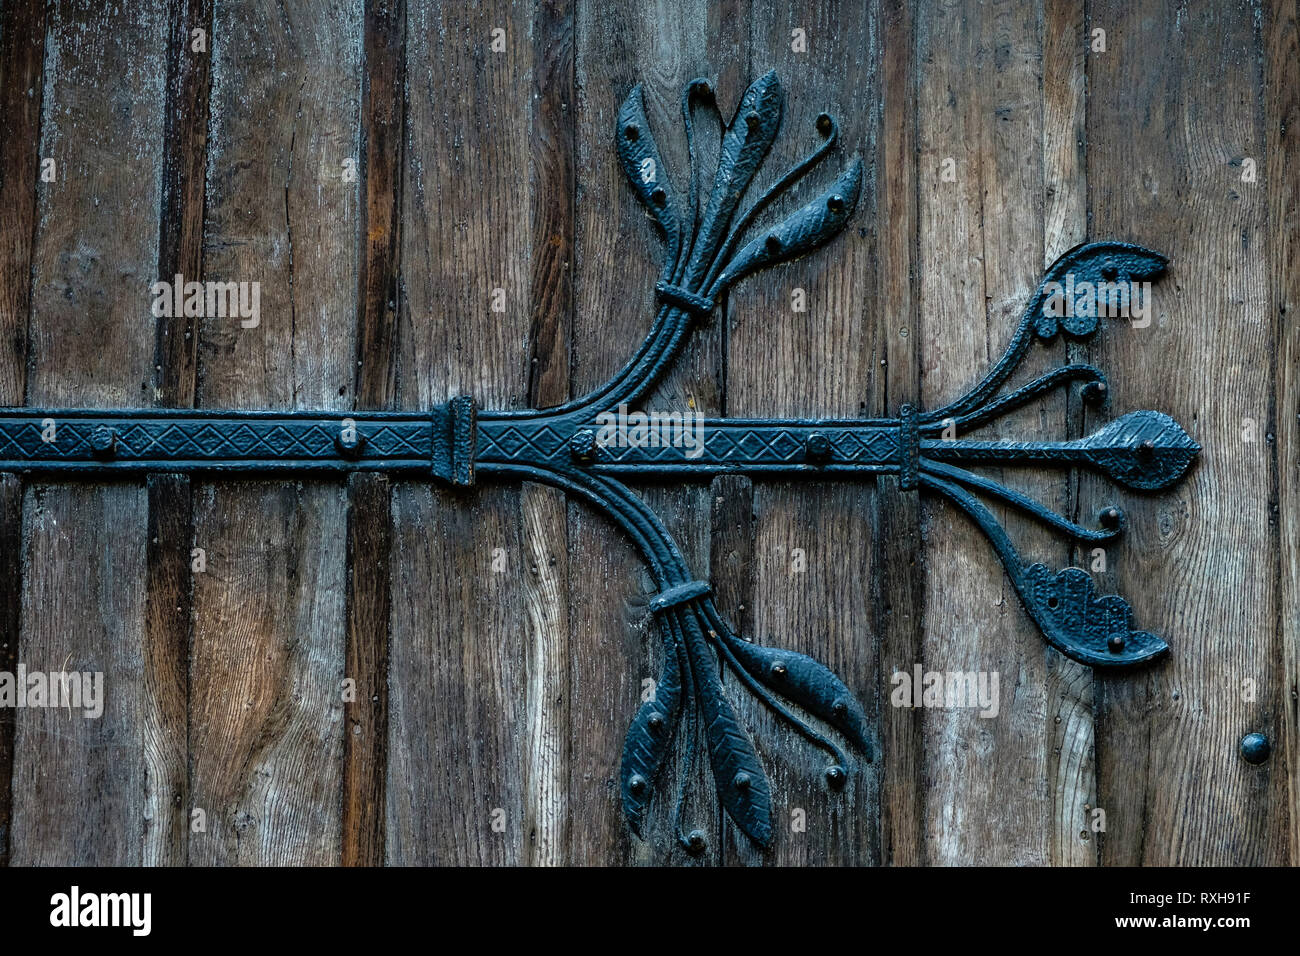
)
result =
(563, 446)
(1255, 748)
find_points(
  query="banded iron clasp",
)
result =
(458, 444)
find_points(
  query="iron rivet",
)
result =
(1111, 517)
(836, 777)
(583, 444)
(752, 120)
(636, 785)
(773, 244)
(1146, 451)
(695, 842)
(835, 203)
(1116, 643)
(655, 721)
(778, 669)
(632, 132)
(840, 708)
(659, 197)
(817, 447)
(1255, 748)
(741, 781)
(1109, 273)
(351, 444)
(825, 124)
(1094, 392)
(104, 441)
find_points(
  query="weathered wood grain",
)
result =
(816, 362)
(980, 115)
(1166, 151)
(369, 594)
(267, 719)
(1281, 105)
(1071, 768)
(543, 511)
(87, 786)
(463, 725)
(500, 640)
(897, 559)
(168, 575)
(22, 55)
(615, 645)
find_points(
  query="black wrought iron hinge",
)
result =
(579, 448)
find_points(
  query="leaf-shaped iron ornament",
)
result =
(710, 245)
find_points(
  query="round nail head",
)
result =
(583, 444)
(1255, 748)
(695, 841)
(836, 777)
(350, 443)
(817, 447)
(104, 441)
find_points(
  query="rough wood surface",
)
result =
(22, 55)
(1198, 563)
(813, 551)
(268, 658)
(88, 788)
(1281, 125)
(380, 671)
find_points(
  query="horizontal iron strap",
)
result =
(131, 440)
(689, 446)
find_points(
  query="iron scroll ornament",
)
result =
(458, 444)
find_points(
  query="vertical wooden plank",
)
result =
(168, 577)
(1166, 154)
(458, 666)
(365, 717)
(543, 511)
(1071, 769)
(1281, 44)
(980, 134)
(82, 783)
(269, 634)
(22, 56)
(369, 586)
(615, 645)
(814, 551)
(896, 556)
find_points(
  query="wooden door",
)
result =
(384, 671)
